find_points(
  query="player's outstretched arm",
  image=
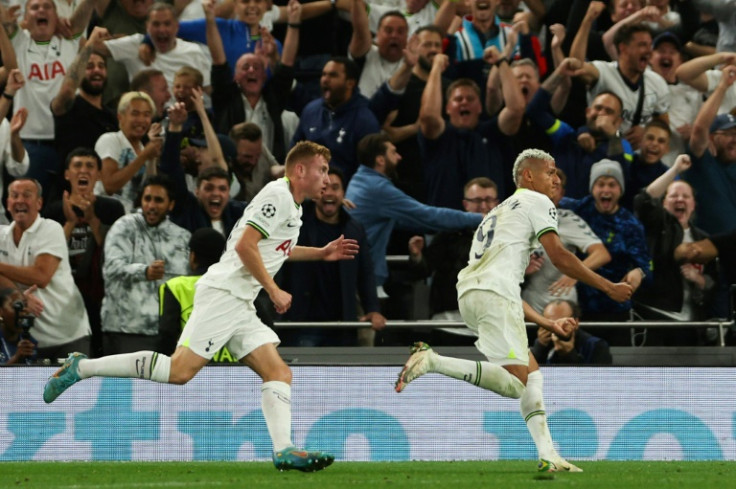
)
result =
(339, 249)
(570, 265)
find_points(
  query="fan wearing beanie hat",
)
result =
(624, 238)
(606, 195)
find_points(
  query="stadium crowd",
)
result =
(129, 125)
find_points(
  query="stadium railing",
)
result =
(722, 325)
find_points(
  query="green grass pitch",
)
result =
(394, 475)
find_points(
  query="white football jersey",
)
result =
(575, 234)
(277, 217)
(503, 242)
(656, 94)
(729, 99)
(44, 65)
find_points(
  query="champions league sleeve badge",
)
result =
(268, 210)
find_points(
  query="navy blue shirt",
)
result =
(459, 155)
(623, 235)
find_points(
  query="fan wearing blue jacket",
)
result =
(380, 206)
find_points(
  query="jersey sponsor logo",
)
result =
(292, 224)
(285, 247)
(268, 210)
(57, 69)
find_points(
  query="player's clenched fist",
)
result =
(621, 292)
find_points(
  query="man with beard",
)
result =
(380, 206)
(575, 151)
(713, 153)
(254, 165)
(339, 119)
(643, 92)
(379, 61)
(80, 118)
(329, 291)
(142, 251)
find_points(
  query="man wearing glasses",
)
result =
(713, 153)
(448, 252)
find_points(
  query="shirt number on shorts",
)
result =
(485, 237)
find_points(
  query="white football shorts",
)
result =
(499, 324)
(218, 319)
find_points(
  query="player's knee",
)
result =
(180, 375)
(180, 378)
(281, 373)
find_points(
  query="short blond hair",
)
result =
(524, 160)
(129, 97)
(305, 150)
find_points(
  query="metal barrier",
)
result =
(722, 325)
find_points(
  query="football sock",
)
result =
(147, 365)
(276, 407)
(532, 410)
(483, 374)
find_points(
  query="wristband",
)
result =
(8, 96)
(294, 26)
(501, 61)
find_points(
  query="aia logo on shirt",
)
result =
(46, 72)
(286, 247)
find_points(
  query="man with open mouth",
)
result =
(631, 80)
(625, 240)
(86, 218)
(171, 53)
(667, 57)
(713, 151)
(378, 61)
(35, 253)
(43, 58)
(80, 117)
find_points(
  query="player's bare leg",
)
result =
(276, 406)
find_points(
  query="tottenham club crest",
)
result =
(268, 210)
